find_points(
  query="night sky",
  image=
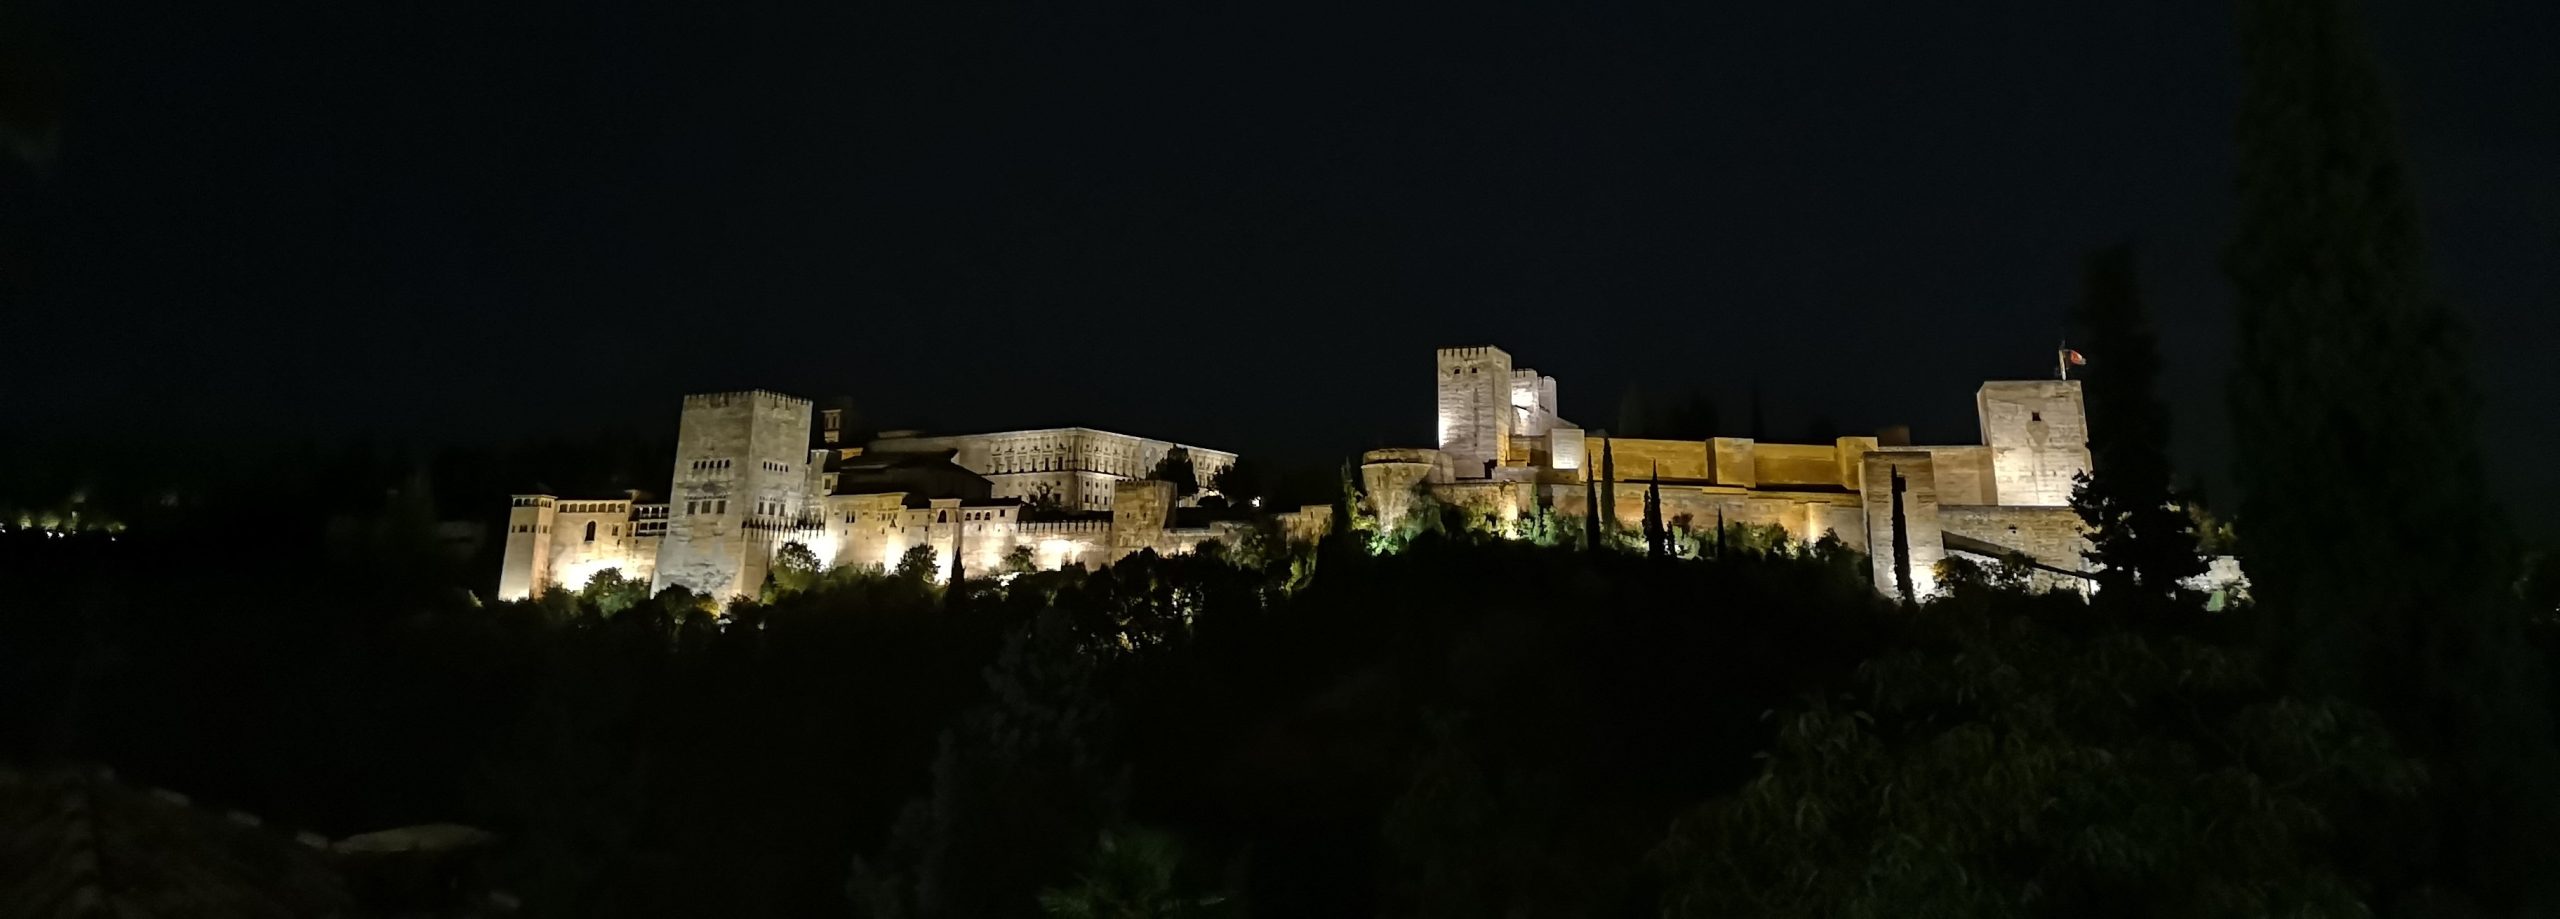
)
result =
(1244, 226)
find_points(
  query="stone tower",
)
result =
(742, 476)
(2039, 439)
(1475, 408)
(527, 566)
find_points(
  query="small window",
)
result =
(591, 531)
(2035, 416)
(724, 507)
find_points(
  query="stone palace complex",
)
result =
(748, 479)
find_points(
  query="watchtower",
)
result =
(1475, 408)
(742, 473)
(2039, 439)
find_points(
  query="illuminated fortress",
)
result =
(1505, 453)
(748, 480)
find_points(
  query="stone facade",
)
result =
(1081, 467)
(746, 482)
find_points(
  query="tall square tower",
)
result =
(1475, 408)
(742, 474)
(2039, 439)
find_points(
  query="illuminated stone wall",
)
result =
(1393, 478)
(1681, 460)
(1533, 404)
(2052, 535)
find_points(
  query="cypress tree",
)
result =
(1632, 411)
(2364, 516)
(1591, 512)
(2365, 524)
(1654, 535)
(1901, 546)
(2143, 541)
(952, 589)
(1609, 488)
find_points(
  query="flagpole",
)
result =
(2062, 360)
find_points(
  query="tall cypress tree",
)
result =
(1609, 488)
(2143, 542)
(2365, 522)
(1901, 545)
(1634, 412)
(1654, 536)
(1591, 512)
(2364, 516)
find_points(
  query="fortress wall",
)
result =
(1392, 478)
(1847, 522)
(1500, 501)
(1306, 524)
(1796, 464)
(1965, 473)
(2052, 535)
(1682, 460)
(575, 559)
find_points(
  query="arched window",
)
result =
(591, 531)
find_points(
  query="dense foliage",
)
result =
(1467, 727)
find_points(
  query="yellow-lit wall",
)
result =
(1682, 460)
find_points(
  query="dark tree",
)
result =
(1901, 545)
(1609, 488)
(1697, 418)
(2143, 541)
(1176, 468)
(1240, 483)
(2346, 360)
(1654, 534)
(2366, 524)
(1634, 412)
(1591, 512)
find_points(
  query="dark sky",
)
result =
(1244, 225)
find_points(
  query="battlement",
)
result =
(1062, 527)
(1401, 455)
(1467, 354)
(724, 399)
(531, 501)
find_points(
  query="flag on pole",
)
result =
(2073, 358)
